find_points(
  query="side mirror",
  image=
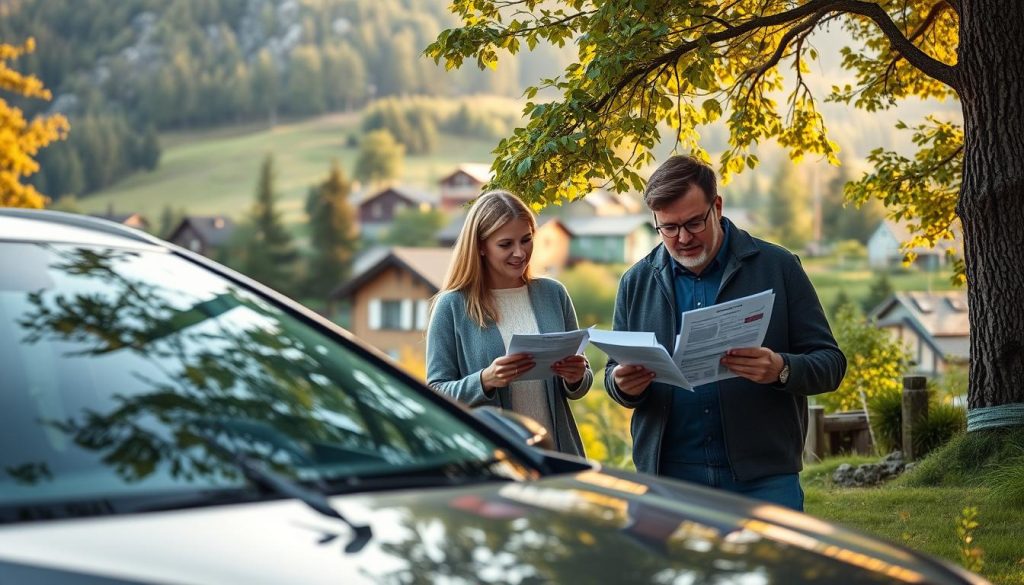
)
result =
(516, 427)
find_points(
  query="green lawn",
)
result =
(924, 518)
(215, 171)
(829, 277)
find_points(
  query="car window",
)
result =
(121, 367)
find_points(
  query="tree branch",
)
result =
(916, 57)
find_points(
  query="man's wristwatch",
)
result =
(784, 373)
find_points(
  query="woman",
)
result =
(488, 296)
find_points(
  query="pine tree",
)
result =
(334, 232)
(269, 253)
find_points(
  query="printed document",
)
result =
(546, 349)
(705, 336)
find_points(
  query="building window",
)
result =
(391, 314)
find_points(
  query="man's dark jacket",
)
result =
(764, 424)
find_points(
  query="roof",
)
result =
(599, 198)
(407, 193)
(427, 264)
(479, 172)
(123, 218)
(940, 317)
(215, 230)
(618, 225)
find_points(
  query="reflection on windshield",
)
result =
(117, 361)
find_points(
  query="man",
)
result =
(743, 434)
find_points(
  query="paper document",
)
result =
(707, 334)
(640, 348)
(546, 349)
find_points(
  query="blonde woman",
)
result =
(488, 296)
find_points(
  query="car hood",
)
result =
(594, 526)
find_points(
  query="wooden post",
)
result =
(915, 408)
(814, 447)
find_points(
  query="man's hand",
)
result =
(757, 364)
(632, 380)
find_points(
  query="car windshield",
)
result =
(121, 366)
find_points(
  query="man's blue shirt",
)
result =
(694, 430)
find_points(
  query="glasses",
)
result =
(694, 226)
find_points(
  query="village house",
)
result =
(611, 239)
(463, 185)
(203, 234)
(390, 294)
(377, 210)
(884, 247)
(932, 325)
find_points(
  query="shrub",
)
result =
(1007, 480)
(944, 422)
(886, 415)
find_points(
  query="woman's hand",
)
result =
(571, 369)
(506, 369)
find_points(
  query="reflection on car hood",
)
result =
(595, 526)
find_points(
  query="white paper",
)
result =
(546, 349)
(640, 348)
(707, 334)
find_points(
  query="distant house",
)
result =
(463, 185)
(551, 243)
(611, 240)
(933, 326)
(390, 296)
(203, 234)
(134, 220)
(378, 209)
(884, 247)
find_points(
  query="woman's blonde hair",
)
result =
(489, 213)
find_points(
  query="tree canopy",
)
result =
(20, 138)
(644, 65)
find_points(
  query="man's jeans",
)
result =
(782, 489)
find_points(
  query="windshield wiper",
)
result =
(262, 476)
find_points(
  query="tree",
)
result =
(876, 361)
(880, 290)
(380, 157)
(23, 139)
(644, 63)
(268, 253)
(789, 212)
(334, 232)
(412, 227)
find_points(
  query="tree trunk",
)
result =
(991, 206)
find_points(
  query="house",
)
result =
(463, 185)
(376, 210)
(884, 247)
(390, 296)
(203, 234)
(134, 220)
(551, 243)
(933, 326)
(611, 240)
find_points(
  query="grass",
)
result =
(829, 279)
(921, 509)
(215, 171)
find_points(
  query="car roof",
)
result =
(37, 225)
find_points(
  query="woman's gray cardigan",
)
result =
(458, 350)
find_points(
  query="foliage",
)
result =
(952, 385)
(968, 458)
(23, 139)
(604, 427)
(944, 421)
(416, 228)
(886, 416)
(170, 218)
(415, 122)
(842, 299)
(592, 288)
(380, 157)
(875, 362)
(789, 208)
(847, 250)
(970, 554)
(266, 251)
(334, 232)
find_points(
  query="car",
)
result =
(167, 420)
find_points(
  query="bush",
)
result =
(886, 415)
(944, 422)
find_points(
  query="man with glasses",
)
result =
(743, 434)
